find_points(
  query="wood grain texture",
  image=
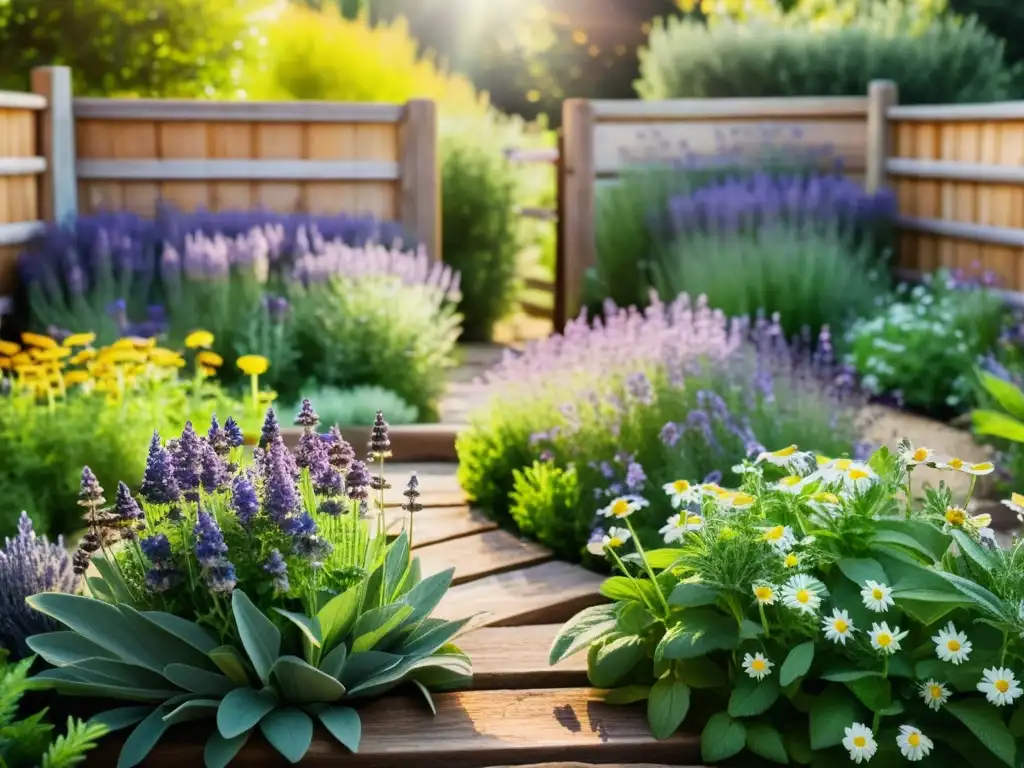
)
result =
(410, 443)
(481, 555)
(474, 729)
(541, 594)
(517, 658)
(439, 524)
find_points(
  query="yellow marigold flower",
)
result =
(83, 356)
(199, 340)
(76, 377)
(143, 343)
(38, 340)
(29, 369)
(207, 370)
(51, 355)
(253, 365)
(79, 339)
(123, 343)
(5, 363)
(22, 358)
(9, 348)
(210, 359)
(165, 358)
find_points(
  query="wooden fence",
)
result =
(60, 156)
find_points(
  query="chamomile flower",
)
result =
(790, 484)
(959, 465)
(681, 493)
(765, 594)
(789, 457)
(913, 744)
(791, 560)
(757, 666)
(623, 507)
(877, 597)
(951, 645)
(860, 743)
(679, 525)
(859, 478)
(780, 536)
(802, 593)
(884, 640)
(911, 456)
(934, 694)
(999, 686)
(1016, 503)
(824, 502)
(838, 627)
(736, 500)
(957, 517)
(601, 542)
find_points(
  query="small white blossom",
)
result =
(601, 543)
(802, 593)
(679, 525)
(780, 536)
(1016, 503)
(999, 686)
(951, 645)
(877, 597)
(913, 744)
(790, 484)
(838, 627)
(623, 507)
(934, 693)
(790, 457)
(884, 640)
(911, 456)
(681, 493)
(757, 666)
(765, 594)
(860, 743)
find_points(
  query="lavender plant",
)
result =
(260, 592)
(634, 399)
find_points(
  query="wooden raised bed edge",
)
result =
(409, 443)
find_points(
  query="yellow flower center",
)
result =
(803, 596)
(1017, 499)
(884, 640)
(763, 593)
(614, 542)
(826, 498)
(743, 499)
(774, 534)
(913, 739)
(920, 454)
(877, 594)
(791, 480)
(858, 474)
(791, 561)
(1002, 686)
(935, 692)
(956, 463)
(681, 486)
(953, 645)
(694, 520)
(840, 626)
(620, 508)
(955, 516)
(859, 742)
(843, 464)
(758, 665)
(782, 453)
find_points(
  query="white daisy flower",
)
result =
(623, 507)
(860, 743)
(885, 640)
(824, 503)
(934, 693)
(780, 536)
(838, 627)
(681, 493)
(790, 457)
(911, 456)
(802, 593)
(913, 744)
(956, 517)
(679, 525)
(877, 597)
(765, 594)
(790, 484)
(859, 478)
(736, 500)
(601, 542)
(999, 686)
(959, 465)
(951, 645)
(1016, 503)
(757, 666)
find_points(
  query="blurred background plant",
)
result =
(358, 405)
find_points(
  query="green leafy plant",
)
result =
(1007, 423)
(357, 405)
(818, 613)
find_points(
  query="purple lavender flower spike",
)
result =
(307, 418)
(210, 546)
(233, 433)
(311, 452)
(217, 438)
(635, 477)
(157, 549)
(278, 568)
(188, 461)
(214, 474)
(380, 440)
(358, 481)
(271, 429)
(670, 434)
(158, 484)
(340, 452)
(127, 509)
(90, 493)
(244, 501)
(281, 498)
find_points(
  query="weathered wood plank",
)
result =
(517, 658)
(474, 729)
(436, 524)
(438, 484)
(541, 594)
(481, 554)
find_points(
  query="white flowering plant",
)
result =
(816, 613)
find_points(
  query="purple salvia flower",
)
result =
(157, 549)
(299, 525)
(281, 498)
(380, 440)
(339, 452)
(327, 481)
(670, 434)
(271, 430)
(217, 438)
(412, 495)
(357, 481)
(158, 483)
(210, 546)
(312, 453)
(90, 493)
(214, 474)
(127, 512)
(278, 568)
(233, 433)
(635, 477)
(244, 501)
(187, 453)
(307, 418)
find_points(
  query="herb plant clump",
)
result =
(816, 615)
(256, 593)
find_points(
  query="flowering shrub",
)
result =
(256, 592)
(634, 400)
(67, 402)
(922, 348)
(817, 613)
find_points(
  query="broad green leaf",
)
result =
(901, 539)
(142, 739)
(186, 630)
(1007, 394)
(64, 682)
(426, 595)
(860, 570)
(750, 630)
(701, 672)
(798, 745)
(986, 722)
(309, 627)
(692, 595)
(428, 637)
(751, 697)
(1016, 724)
(699, 632)
(980, 596)
(425, 694)
(242, 709)
(996, 424)
(99, 589)
(116, 672)
(797, 663)
(609, 662)
(458, 665)
(337, 616)
(289, 731)
(120, 718)
(219, 752)
(194, 709)
(396, 564)
(626, 588)
(976, 553)
(667, 705)
(229, 661)
(659, 559)
(632, 618)
(412, 577)
(376, 624)
(334, 662)
(199, 680)
(849, 675)
(722, 738)
(60, 648)
(260, 638)
(360, 667)
(301, 683)
(875, 693)
(113, 579)
(764, 741)
(929, 538)
(832, 713)
(343, 724)
(586, 627)
(628, 694)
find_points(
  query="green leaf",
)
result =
(337, 616)
(242, 709)
(142, 739)
(831, 714)
(915, 535)
(722, 738)
(361, 667)
(426, 694)
(986, 722)
(701, 672)
(194, 709)
(667, 705)
(860, 570)
(220, 752)
(309, 627)
(229, 661)
(875, 693)
(693, 595)
(183, 629)
(797, 663)
(976, 553)
(1007, 394)
(301, 683)
(659, 559)
(628, 694)
(750, 697)
(1016, 725)
(412, 577)
(996, 424)
(632, 618)
(334, 662)
(396, 563)
(99, 589)
(426, 595)
(120, 718)
(115, 672)
(343, 724)
(113, 579)
(623, 588)
(609, 662)
(586, 627)
(377, 623)
(260, 638)
(60, 648)
(65, 682)
(700, 632)
(764, 741)
(431, 635)
(750, 630)
(980, 596)
(849, 675)
(199, 680)
(289, 731)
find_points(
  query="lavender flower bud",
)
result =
(158, 484)
(380, 440)
(311, 453)
(221, 578)
(210, 546)
(80, 562)
(307, 418)
(339, 452)
(328, 481)
(233, 433)
(280, 495)
(125, 506)
(412, 494)
(244, 502)
(271, 429)
(90, 493)
(217, 438)
(278, 568)
(187, 454)
(157, 549)
(214, 473)
(358, 481)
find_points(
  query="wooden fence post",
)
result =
(420, 182)
(577, 248)
(882, 94)
(58, 185)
